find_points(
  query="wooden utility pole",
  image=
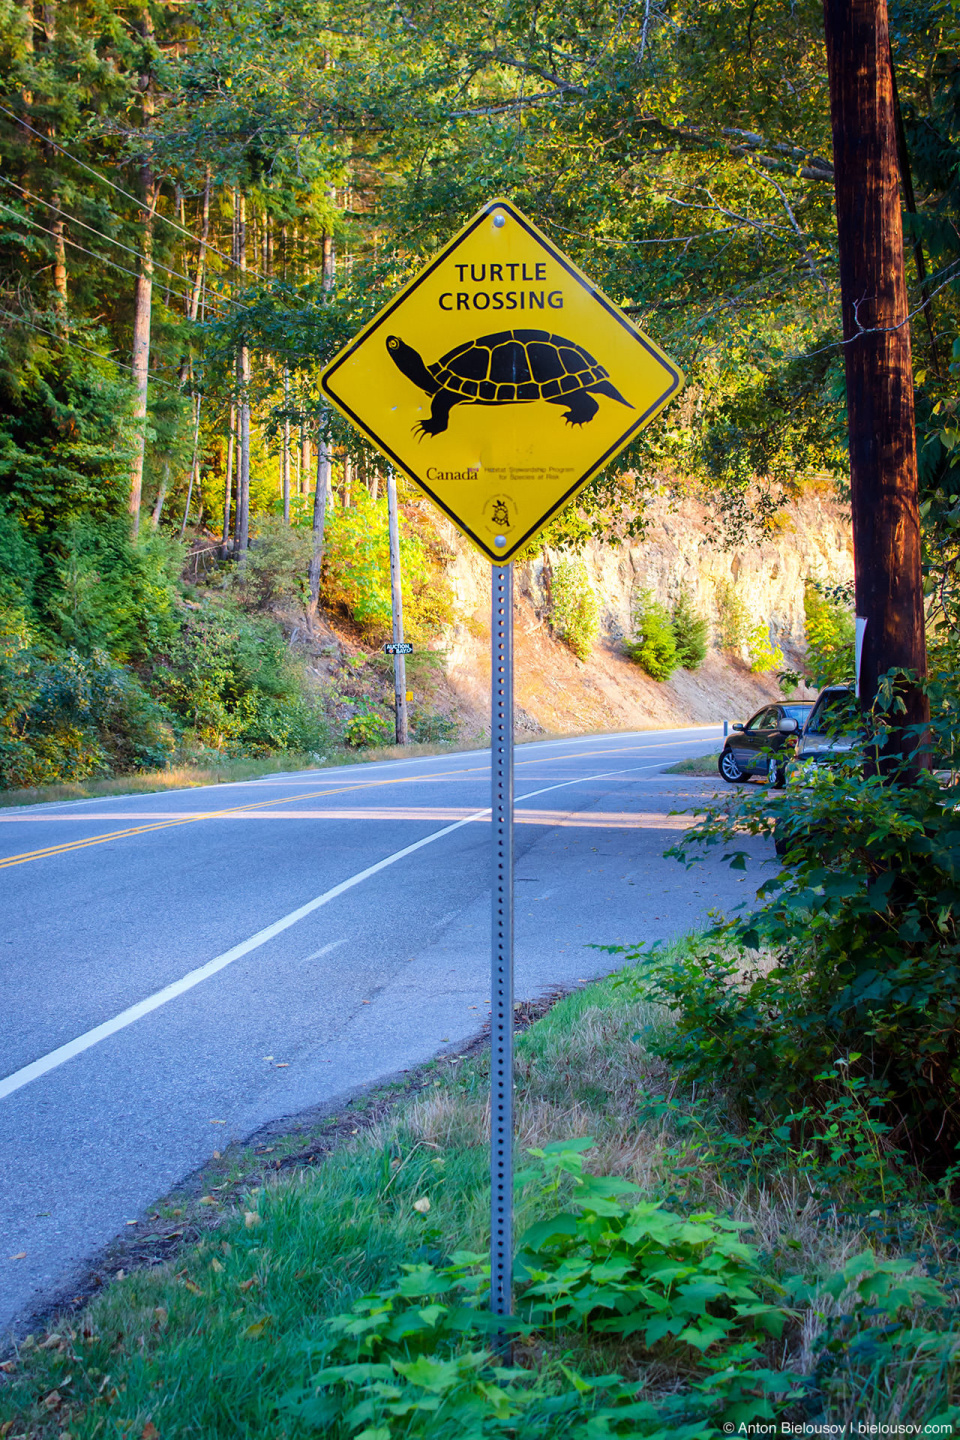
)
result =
(879, 370)
(396, 595)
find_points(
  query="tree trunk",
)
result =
(48, 20)
(286, 446)
(143, 296)
(320, 499)
(910, 205)
(201, 252)
(228, 477)
(26, 16)
(161, 496)
(243, 486)
(879, 372)
(143, 299)
(243, 479)
(305, 449)
(194, 465)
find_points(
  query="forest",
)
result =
(199, 203)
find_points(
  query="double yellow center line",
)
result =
(191, 819)
(67, 846)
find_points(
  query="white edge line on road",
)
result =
(63, 1053)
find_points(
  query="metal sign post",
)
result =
(501, 960)
(399, 664)
(500, 380)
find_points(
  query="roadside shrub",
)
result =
(368, 728)
(70, 717)
(830, 631)
(732, 616)
(690, 632)
(764, 655)
(861, 930)
(654, 646)
(274, 569)
(108, 594)
(435, 729)
(232, 685)
(890, 1348)
(416, 1355)
(356, 569)
(574, 611)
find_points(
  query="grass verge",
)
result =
(695, 765)
(223, 772)
(213, 1341)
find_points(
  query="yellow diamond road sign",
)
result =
(500, 380)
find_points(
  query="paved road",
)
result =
(181, 968)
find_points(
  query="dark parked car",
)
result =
(764, 745)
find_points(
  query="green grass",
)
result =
(206, 1344)
(695, 765)
(222, 772)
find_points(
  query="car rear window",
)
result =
(830, 706)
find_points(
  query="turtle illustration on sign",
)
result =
(513, 367)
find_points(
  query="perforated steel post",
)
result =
(501, 955)
(396, 600)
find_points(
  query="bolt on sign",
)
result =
(501, 379)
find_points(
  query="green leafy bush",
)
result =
(890, 1348)
(356, 569)
(110, 594)
(234, 689)
(654, 646)
(690, 632)
(637, 1269)
(829, 625)
(764, 655)
(732, 618)
(368, 728)
(861, 926)
(69, 716)
(435, 729)
(574, 610)
(274, 569)
(414, 1358)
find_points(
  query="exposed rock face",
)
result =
(557, 692)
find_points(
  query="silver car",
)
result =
(822, 740)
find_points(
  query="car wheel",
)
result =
(729, 768)
(775, 772)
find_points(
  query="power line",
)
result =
(109, 239)
(75, 345)
(120, 191)
(67, 241)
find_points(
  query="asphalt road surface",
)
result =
(181, 968)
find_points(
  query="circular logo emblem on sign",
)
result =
(500, 513)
